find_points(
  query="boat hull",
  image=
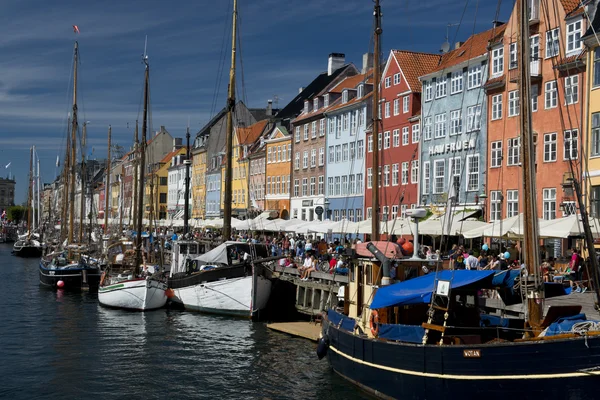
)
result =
(236, 291)
(551, 369)
(27, 251)
(72, 278)
(136, 294)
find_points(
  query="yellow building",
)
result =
(591, 171)
(157, 187)
(198, 182)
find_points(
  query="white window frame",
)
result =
(405, 104)
(456, 82)
(497, 107)
(474, 77)
(440, 126)
(416, 133)
(439, 179)
(414, 171)
(497, 62)
(428, 90)
(512, 203)
(473, 169)
(474, 118)
(513, 103)
(395, 174)
(404, 173)
(496, 154)
(552, 43)
(455, 122)
(571, 89)
(550, 95)
(573, 36)
(550, 147)
(495, 205)
(396, 106)
(397, 78)
(441, 87)
(426, 177)
(386, 140)
(549, 203)
(396, 138)
(571, 144)
(405, 136)
(427, 128)
(514, 151)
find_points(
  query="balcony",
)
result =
(535, 69)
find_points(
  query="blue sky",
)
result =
(284, 44)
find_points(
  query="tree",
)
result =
(16, 213)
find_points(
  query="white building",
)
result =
(176, 187)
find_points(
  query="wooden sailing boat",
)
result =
(222, 281)
(135, 286)
(424, 338)
(69, 268)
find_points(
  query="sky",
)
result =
(284, 45)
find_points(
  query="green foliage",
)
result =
(17, 213)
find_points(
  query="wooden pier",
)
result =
(306, 330)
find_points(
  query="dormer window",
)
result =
(360, 91)
(316, 104)
(326, 100)
(305, 106)
(345, 96)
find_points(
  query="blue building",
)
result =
(454, 129)
(347, 118)
(213, 186)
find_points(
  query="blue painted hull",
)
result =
(557, 369)
(73, 278)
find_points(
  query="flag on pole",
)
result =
(75, 29)
(8, 165)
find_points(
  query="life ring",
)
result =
(102, 277)
(374, 323)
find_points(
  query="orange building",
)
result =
(278, 170)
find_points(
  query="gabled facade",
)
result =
(198, 184)
(454, 125)
(176, 185)
(157, 191)
(399, 134)
(557, 79)
(277, 171)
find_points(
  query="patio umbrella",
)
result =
(567, 226)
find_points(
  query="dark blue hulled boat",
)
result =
(56, 272)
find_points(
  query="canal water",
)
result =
(56, 345)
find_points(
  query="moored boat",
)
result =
(56, 272)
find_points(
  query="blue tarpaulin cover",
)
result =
(419, 290)
(335, 317)
(564, 324)
(404, 333)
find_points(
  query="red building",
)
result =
(399, 134)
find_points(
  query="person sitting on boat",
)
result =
(310, 265)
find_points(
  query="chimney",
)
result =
(496, 23)
(367, 62)
(300, 90)
(336, 60)
(177, 143)
(457, 45)
(269, 110)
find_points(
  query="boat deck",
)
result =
(585, 300)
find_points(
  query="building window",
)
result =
(345, 121)
(330, 186)
(345, 152)
(396, 138)
(574, 36)
(395, 173)
(305, 160)
(496, 155)
(313, 158)
(514, 151)
(387, 109)
(439, 170)
(440, 87)
(352, 184)
(534, 43)
(388, 81)
(331, 154)
(474, 77)
(384, 215)
(337, 186)
(414, 171)
(497, 62)
(549, 196)
(306, 105)
(551, 95)
(405, 173)
(534, 98)
(360, 92)
(473, 172)
(313, 189)
(305, 131)
(396, 106)
(269, 155)
(316, 104)
(360, 149)
(322, 127)
(455, 173)
(596, 67)
(512, 62)
(474, 118)
(345, 96)
(397, 78)
(512, 203)
(405, 100)
(427, 128)
(595, 201)
(304, 187)
(440, 125)
(289, 153)
(321, 156)
(456, 82)
(513, 103)
(550, 147)
(427, 88)
(405, 136)
(297, 161)
(552, 44)
(386, 175)
(595, 145)
(495, 205)
(497, 107)
(571, 89)
(386, 140)
(338, 153)
(455, 122)
(359, 183)
(394, 212)
(571, 144)
(426, 177)
(379, 141)
(416, 131)
(369, 178)
(297, 135)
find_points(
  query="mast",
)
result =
(187, 184)
(39, 203)
(82, 209)
(535, 304)
(142, 161)
(29, 195)
(136, 146)
(375, 137)
(73, 150)
(33, 193)
(107, 190)
(229, 138)
(64, 202)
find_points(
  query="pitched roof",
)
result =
(250, 134)
(475, 46)
(415, 64)
(338, 104)
(570, 5)
(349, 83)
(595, 25)
(170, 155)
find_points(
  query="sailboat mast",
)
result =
(375, 112)
(82, 205)
(65, 204)
(29, 195)
(535, 303)
(38, 199)
(186, 215)
(229, 138)
(73, 150)
(141, 164)
(136, 147)
(107, 189)
(33, 193)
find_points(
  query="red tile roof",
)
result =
(415, 64)
(475, 46)
(168, 157)
(350, 82)
(570, 5)
(337, 105)
(251, 133)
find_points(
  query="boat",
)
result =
(27, 246)
(134, 285)
(218, 281)
(424, 336)
(231, 279)
(70, 266)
